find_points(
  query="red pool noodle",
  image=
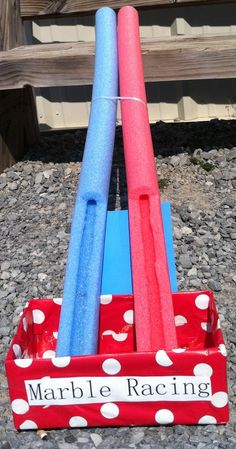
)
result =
(154, 316)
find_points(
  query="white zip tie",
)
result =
(119, 98)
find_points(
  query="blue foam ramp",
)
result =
(117, 277)
(117, 273)
(78, 327)
(167, 224)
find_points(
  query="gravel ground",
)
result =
(197, 173)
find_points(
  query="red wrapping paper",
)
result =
(162, 387)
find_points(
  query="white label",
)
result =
(93, 390)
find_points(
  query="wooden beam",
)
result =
(18, 124)
(68, 64)
(32, 8)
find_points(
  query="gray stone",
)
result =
(42, 277)
(5, 275)
(4, 331)
(62, 206)
(212, 154)
(137, 437)
(197, 153)
(185, 261)
(214, 285)
(12, 185)
(199, 241)
(174, 161)
(3, 183)
(68, 171)
(227, 175)
(184, 160)
(38, 178)
(5, 266)
(186, 230)
(96, 439)
(5, 445)
(231, 155)
(196, 283)
(47, 174)
(70, 438)
(192, 272)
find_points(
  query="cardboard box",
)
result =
(119, 387)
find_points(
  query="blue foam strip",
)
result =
(117, 275)
(166, 218)
(78, 328)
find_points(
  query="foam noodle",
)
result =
(78, 329)
(154, 317)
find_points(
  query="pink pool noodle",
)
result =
(154, 316)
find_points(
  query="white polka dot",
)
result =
(129, 317)
(20, 406)
(207, 419)
(117, 337)
(17, 350)
(222, 349)
(180, 320)
(28, 424)
(61, 362)
(38, 316)
(23, 363)
(163, 359)
(21, 313)
(58, 301)
(206, 327)
(202, 301)
(219, 399)
(55, 335)
(25, 324)
(111, 366)
(218, 324)
(109, 410)
(48, 354)
(26, 305)
(105, 299)
(164, 416)
(78, 421)
(179, 350)
(203, 369)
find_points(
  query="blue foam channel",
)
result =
(78, 327)
(117, 273)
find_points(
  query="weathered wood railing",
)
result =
(25, 67)
(32, 8)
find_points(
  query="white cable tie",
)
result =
(120, 98)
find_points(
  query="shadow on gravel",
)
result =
(168, 139)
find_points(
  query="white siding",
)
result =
(68, 107)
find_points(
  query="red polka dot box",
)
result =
(119, 387)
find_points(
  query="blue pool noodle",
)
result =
(78, 327)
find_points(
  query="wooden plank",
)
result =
(68, 64)
(10, 20)
(18, 124)
(32, 8)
